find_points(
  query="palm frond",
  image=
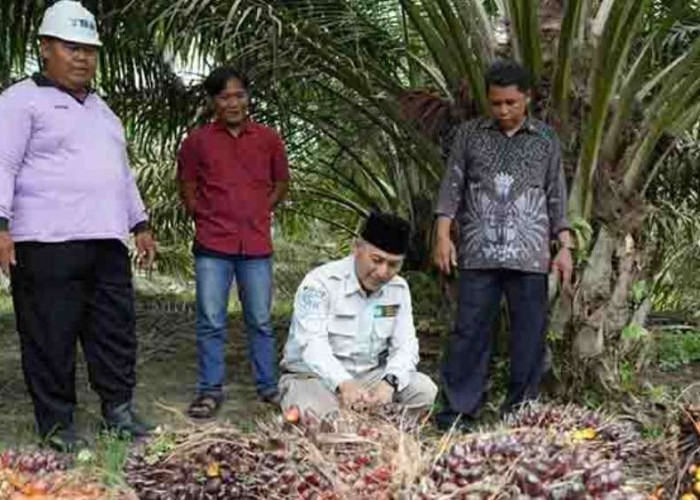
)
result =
(561, 85)
(524, 22)
(622, 24)
(674, 110)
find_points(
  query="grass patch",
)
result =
(160, 447)
(678, 349)
(7, 315)
(108, 459)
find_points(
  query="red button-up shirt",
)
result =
(235, 178)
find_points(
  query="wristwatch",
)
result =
(392, 380)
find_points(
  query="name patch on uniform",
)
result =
(386, 311)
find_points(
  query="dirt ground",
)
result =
(166, 373)
(166, 376)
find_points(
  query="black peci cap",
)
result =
(387, 232)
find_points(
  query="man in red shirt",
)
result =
(232, 173)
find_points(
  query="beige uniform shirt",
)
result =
(339, 333)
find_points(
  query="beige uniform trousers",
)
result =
(307, 392)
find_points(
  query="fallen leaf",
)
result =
(584, 434)
(213, 470)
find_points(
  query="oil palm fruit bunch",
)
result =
(535, 463)
(622, 439)
(35, 462)
(688, 485)
(225, 471)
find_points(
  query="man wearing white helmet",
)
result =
(68, 200)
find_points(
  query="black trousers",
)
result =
(64, 292)
(466, 362)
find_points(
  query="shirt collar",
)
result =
(246, 128)
(352, 284)
(41, 80)
(528, 125)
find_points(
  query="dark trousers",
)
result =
(63, 292)
(466, 363)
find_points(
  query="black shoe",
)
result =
(447, 420)
(65, 440)
(122, 420)
(272, 397)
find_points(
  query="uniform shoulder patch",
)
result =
(310, 300)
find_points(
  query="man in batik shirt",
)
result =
(505, 190)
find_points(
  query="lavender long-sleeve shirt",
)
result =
(64, 170)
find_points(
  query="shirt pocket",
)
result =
(258, 167)
(342, 331)
(383, 331)
(384, 327)
(481, 154)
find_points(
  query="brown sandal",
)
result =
(204, 406)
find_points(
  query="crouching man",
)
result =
(352, 339)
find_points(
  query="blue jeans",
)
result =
(214, 276)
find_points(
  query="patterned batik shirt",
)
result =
(507, 194)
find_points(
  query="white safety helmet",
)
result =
(68, 20)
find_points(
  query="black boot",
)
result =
(122, 420)
(448, 419)
(64, 439)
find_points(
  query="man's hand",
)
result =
(188, 195)
(279, 193)
(145, 249)
(7, 252)
(350, 392)
(563, 267)
(382, 394)
(445, 253)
